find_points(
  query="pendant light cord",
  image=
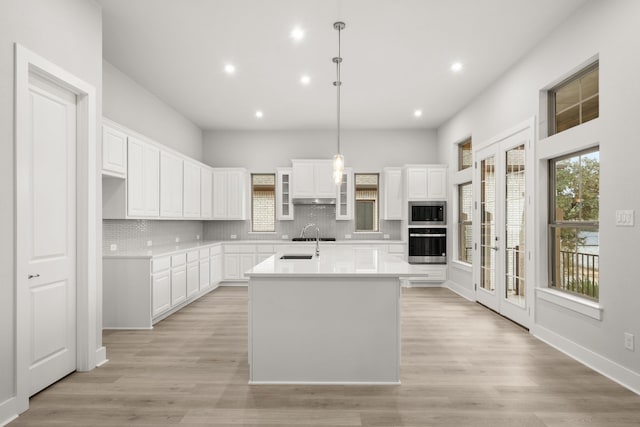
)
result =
(338, 84)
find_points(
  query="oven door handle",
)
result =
(426, 235)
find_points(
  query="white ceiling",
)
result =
(397, 56)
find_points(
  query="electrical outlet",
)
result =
(234, 236)
(347, 236)
(285, 237)
(197, 237)
(628, 341)
(386, 236)
(624, 218)
(149, 243)
(177, 240)
(113, 247)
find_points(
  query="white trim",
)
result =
(27, 62)
(8, 411)
(462, 266)
(571, 302)
(610, 369)
(460, 290)
(101, 356)
(325, 382)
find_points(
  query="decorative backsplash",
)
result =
(324, 216)
(133, 234)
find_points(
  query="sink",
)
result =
(313, 239)
(296, 256)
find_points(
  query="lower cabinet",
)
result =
(193, 278)
(178, 285)
(238, 258)
(216, 270)
(161, 291)
(231, 266)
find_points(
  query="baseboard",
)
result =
(101, 356)
(239, 283)
(610, 369)
(8, 411)
(460, 290)
(412, 284)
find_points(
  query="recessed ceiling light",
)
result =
(417, 113)
(456, 67)
(229, 68)
(297, 34)
(305, 79)
(259, 114)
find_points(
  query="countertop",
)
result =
(164, 250)
(336, 261)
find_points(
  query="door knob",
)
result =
(495, 248)
(33, 276)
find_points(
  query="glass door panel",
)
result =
(488, 223)
(515, 290)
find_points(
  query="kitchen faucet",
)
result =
(317, 236)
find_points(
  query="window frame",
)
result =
(461, 152)
(275, 183)
(461, 224)
(376, 213)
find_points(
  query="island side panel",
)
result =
(126, 293)
(324, 330)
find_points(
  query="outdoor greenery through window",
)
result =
(263, 202)
(574, 223)
(574, 101)
(464, 154)
(465, 212)
(366, 193)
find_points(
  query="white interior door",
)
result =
(502, 184)
(50, 234)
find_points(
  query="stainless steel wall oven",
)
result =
(428, 245)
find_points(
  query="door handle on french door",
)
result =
(33, 276)
(495, 248)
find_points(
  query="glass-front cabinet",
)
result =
(283, 195)
(344, 196)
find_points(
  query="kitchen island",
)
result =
(332, 319)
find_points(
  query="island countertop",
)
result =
(336, 261)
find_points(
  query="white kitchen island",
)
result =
(332, 319)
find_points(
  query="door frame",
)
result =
(87, 256)
(526, 127)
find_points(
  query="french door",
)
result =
(502, 175)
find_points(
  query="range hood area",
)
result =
(314, 201)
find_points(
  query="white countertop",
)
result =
(164, 250)
(336, 261)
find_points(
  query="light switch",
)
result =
(149, 243)
(624, 218)
(113, 247)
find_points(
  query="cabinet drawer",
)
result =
(396, 249)
(215, 250)
(239, 249)
(265, 249)
(204, 253)
(431, 273)
(180, 259)
(192, 256)
(160, 264)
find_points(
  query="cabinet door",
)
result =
(247, 261)
(283, 195)
(216, 270)
(205, 194)
(417, 183)
(393, 204)
(178, 285)
(231, 266)
(171, 182)
(304, 172)
(236, 195)
(220, 189)
(325, 186)
(191, 190)
(151, 186)
(114, 152)
(344, 196)
(135, 179)
(161, 292)
(437, 183)
(193, 279)
(205, 274)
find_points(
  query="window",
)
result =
(366, 189)
(263, 202)
(573, 225)
(574, 101)
(464, 154)
(465, 212)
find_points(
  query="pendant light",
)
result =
(338, 159)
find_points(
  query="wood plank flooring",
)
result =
(462, 365)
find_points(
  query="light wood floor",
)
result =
(462, 365)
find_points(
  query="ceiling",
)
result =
(396, 54)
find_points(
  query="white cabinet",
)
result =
(284, 210)
(230, 194)
(392, 194)
(426, 182)
(143, 179)
(114, 152)
(161, 292)
(216, 269)
(238, 258)
(178, 279)
(205, 194)
(191, 190)
(171, 182)
(193, 276)
(247, 261)
(205, 274)
(344, 196)
(231, 266)
(313, 179)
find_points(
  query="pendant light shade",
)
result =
(338, 159)
(338, 168)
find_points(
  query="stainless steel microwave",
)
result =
(428, 213)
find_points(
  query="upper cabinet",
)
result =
(313, 179)
(344, 196)
(206, 193)
(392, 194)
(426, 182)
(230, 194)
(191, 190)
(284, 211)
(143, 179)
(171, 185)
(114, 152)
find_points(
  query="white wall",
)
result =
(609, 29)
(364, 150)
(69, 34)
(131, 105)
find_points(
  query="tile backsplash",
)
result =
(133, 234)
